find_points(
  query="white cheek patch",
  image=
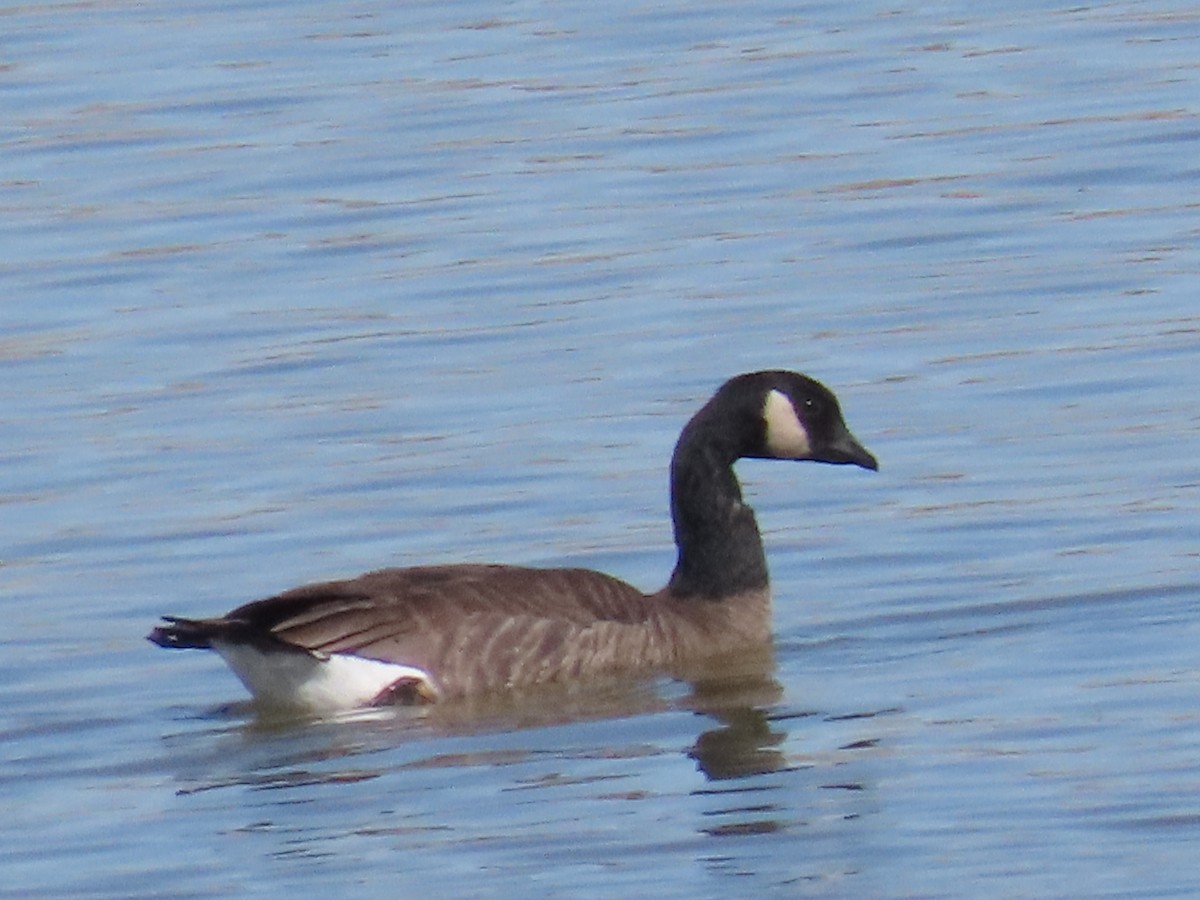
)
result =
(300, 681)
(787, 438)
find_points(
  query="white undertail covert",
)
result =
(300, 680)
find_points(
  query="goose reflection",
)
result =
(739, 694)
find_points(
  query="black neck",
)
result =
(720, 549)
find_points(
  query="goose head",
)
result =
(787, 415)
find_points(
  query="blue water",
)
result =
(296, 290)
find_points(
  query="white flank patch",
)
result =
(787, 437)
(301, 681)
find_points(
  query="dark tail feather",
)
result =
(182, 634)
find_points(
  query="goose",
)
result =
(409, 636)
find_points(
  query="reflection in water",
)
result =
(565, 747)
(745, 745)
(279, 750)
(738, 691)
(511, 771)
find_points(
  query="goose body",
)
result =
(427, 633)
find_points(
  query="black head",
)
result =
(794, 417)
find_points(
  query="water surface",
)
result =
(298, 290)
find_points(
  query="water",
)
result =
(297, 290)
